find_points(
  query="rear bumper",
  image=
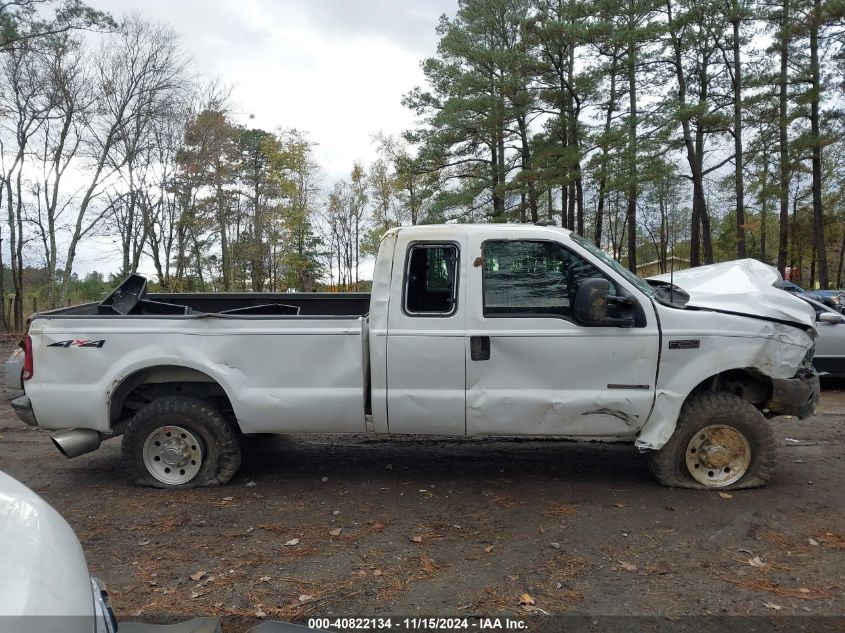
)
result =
(796, 396)
(23, 409)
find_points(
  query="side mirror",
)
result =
(590, 305)
(591, 301)
(824, 317)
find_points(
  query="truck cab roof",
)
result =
(427, 231)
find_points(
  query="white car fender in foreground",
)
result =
(44, 573)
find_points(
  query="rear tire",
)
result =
(717, 436)
(178, 442)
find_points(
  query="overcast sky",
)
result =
(334, 68)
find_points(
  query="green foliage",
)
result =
(583, 112)
(24, 21)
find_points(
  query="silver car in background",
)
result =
(830, 345)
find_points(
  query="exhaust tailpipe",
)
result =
(76, 442)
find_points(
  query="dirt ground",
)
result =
(360, 526)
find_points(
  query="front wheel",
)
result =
(721, 442)
(177, 442)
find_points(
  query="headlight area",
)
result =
(808, 357)
(104, 620)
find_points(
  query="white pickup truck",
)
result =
(470, 330)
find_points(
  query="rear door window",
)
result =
(431, 279)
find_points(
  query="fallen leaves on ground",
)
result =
(757, 562)
(428, 565)
(559, 511)
(755, 584)
(834, 541)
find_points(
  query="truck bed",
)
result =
(132, 299)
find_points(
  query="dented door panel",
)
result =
(547, 375)
(560, 381)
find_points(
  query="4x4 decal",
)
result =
(78, 343)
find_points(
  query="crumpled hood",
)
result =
(743, 286)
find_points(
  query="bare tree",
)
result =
(66, 80)
(133, 72)
(25, 104)
(159, 202)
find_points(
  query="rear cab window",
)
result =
(431, 279)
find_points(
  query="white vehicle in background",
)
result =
(470, 330)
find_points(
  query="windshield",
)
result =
(641, 284)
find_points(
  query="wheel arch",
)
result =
(142, 385)
(749, 383)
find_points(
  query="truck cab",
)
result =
(484, 336)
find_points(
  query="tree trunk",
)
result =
(579, 200)
(698, 193)
(564, 202)
(818, 215)
(611, 106)
(694, 148)
(631, 212)
(525, 156)
(783, 123)
(494, 179)
(499, 135)
(576, 219)
(3, 323)
(19, 320)
(225, 262)
(739, 183)
(764, 208)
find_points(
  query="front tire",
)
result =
(178, 442)
(722, 442)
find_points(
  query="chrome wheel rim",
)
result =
(173, 455)
(718, 455)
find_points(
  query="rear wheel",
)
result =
(177, 442)
(721, 442)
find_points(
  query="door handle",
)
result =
(479, 347)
